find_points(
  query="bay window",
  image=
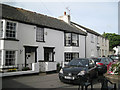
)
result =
(69, 56)
(71, 39)
(10, 58)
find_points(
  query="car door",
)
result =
(92, 70)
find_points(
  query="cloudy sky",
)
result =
(98, 15)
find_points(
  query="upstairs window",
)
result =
(10, 30)
(1, 29)
(75, 40)
(40, 34)
(68, 39)
(71, 39)
(92, 38)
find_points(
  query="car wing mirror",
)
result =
(90, 65)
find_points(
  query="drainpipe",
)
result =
(85, 47)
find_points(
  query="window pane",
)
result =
(10, 58)
(68, 39)
(74, 40)
(10, 30)
(70, 56)
(1, 29)
(40, 34)
(92, 38)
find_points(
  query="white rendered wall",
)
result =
(91, 47)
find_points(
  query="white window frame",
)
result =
(70, 40)
(71, 56)
(5, 36)
(10, 58)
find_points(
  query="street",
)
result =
(46, 81)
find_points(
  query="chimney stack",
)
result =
(65, 18)
(65, 13)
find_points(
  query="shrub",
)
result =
(58, 67)
(25, 68)
(115, 68)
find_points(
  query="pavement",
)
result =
(45, 82)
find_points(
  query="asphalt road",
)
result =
(44, 81)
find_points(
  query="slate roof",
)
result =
(29, 17)
(87, 29)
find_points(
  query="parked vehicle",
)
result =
(77, 69)
(115, 57)
(103, 64)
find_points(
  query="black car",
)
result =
(77, 70)
(102, 64)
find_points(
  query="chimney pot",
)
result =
(64, 13)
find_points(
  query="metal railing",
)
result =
(15, 68)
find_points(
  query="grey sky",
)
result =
(98, 16)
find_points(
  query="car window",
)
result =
(78, 62)
(91, 63)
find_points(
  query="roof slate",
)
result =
(25, 16)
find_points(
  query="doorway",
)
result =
(30, 55)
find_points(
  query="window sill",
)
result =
(71, 46)
(46, 61)
(41, 41)
(10, 39)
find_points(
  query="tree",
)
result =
(114, 39)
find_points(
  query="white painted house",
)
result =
(117, 50)
(96, 44)
(28, 38)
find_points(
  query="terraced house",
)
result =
(28, 38)
(36, 41)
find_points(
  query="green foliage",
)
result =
(114, 39)
(115, 68)
(58, 67)
(25, 68)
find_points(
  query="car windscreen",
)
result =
(78, 62)
(96, 59)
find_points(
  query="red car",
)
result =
(103, 64)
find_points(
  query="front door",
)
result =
(30, 55)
